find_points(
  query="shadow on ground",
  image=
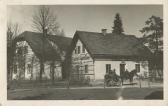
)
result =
(155, 95)
(86, 94)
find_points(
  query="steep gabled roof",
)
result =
(112, 45)
(35, 41)
(62, 42)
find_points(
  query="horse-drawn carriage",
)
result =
(112, 79)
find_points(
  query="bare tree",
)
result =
(44, 18)
(13, 30)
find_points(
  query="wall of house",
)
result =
(32, 66)
(82, 60)
(100, 67)
(19, 61)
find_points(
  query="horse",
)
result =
(129, 75)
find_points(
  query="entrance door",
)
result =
(122, 69)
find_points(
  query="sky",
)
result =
(88, 17)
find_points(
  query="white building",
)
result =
(94, 54)
(30, 47)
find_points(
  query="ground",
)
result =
(46, 90)
(84, 93)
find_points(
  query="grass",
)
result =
(85, 94)
(27, 84)
(33, 90)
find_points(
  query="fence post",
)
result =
(149, 82)
(68, 83)
(104, 84)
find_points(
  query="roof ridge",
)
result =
(60, 36)
(88, 31)
(123, 34)
(34, 39)
(48, 34)
(121, 44)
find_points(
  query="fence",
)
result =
(139, 82)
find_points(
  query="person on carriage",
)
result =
(115, 76)
(111, 76)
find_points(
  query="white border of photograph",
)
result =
(3, 72)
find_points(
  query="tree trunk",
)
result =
(41, 70)
(10, 61)
(32, 67)
(156, 54)
(69, 73)
(53, 72)
(24, 67)
(11, 73)
(157, 41)
(42, 58)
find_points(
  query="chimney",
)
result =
(104, 31)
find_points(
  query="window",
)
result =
(15, 69)
(77, 68)
(88, 78)
(86, 68)
(137, 67)
(28, 68)
(52, 69)
(108, 68)
(83, 49)
(75, 50)
(78, 49)
(19, 51)
(77, 72)
(26, 49)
